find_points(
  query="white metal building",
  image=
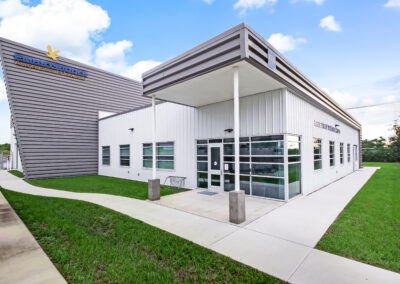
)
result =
(234, 91)
(272, 123)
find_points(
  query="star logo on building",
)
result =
(52, 54)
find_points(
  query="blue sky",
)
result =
(349, 48)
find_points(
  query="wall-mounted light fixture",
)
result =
(228, 130)
(131, 129)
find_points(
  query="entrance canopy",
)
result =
(217, 86)
(204, 74)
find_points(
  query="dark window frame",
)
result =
(341, 153)
(107, 156)
(332, 161)
(317, 156)
(124, 158)
(160, 157)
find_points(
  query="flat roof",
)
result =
(240, 43)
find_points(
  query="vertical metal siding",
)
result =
(300, 117)
(259, 115)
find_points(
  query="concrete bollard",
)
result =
(237, 207)
(154, 189)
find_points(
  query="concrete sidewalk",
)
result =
(281, 245)
(22, 260)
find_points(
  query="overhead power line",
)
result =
(373, 105)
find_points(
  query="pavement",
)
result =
(215, 206)
(22, 260)
(279, 243)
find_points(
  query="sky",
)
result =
(348, 48)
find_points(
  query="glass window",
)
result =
(124, 155)
(267, 148)
(202, 180)
(165, 150)
(106, 155)
(169, 165)
(341, 153)
(268, 170)
(215, 159)
(230, 148)
(202, 166)
(202, 149)
(317, 154)
(229, 183)
(294, 179)
(165, 155)
(267, 138)
(267, 160)
(293, 148)
(332, 153)
(268, 187)
(147, 163)
(348, 153)
(215, 180)
(148, 151)
(229, 168)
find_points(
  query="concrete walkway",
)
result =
(281, 245)
(215, 206)
(22, 260)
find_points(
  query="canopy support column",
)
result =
(154, 183)
(237, 209)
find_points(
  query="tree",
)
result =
(5, 148)
(377, 143)
(394, 142)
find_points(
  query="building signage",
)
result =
(326, 126)
(50, 67)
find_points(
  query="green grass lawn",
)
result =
(102, 184)
(89, 243)
(16, 173)
(368, 229)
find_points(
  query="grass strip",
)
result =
(89, 243)
(102, 184)
(368, 229)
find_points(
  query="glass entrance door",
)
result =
(215, 178)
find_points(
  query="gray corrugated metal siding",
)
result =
(56, 117)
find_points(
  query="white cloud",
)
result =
(70, 26)
(245, 5)
(329, 23)
(393, 4)
(344, 99)
(318, 2)
(135, 71)
(390, 99)
(111, 56)
(375, 120)
(3, 94)
(285, 42)
(208, 1)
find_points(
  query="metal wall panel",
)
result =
(56, 117)
(300, 116)
(260, 114)
(239, 43)
(217, 52)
